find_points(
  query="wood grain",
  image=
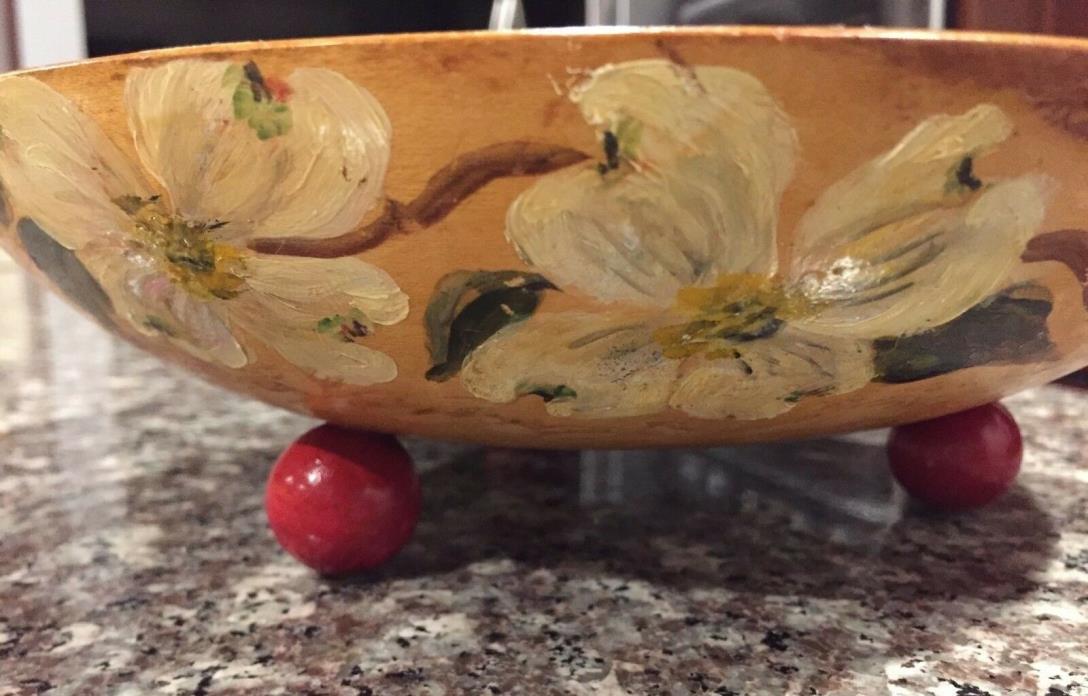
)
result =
(476, 117)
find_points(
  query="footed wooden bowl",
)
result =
(650, 238)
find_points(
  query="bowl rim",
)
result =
(780, 34)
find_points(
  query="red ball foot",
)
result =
(959, 461)
(342, 500)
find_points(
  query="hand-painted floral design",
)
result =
(234, 155)
(675, 229)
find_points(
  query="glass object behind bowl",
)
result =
(839, 488)
(900, 13)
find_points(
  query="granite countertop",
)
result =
(134, 557)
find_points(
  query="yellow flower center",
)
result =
(741, 307)
(190, 255)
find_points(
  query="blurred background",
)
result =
(37, 32)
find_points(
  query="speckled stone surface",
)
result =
(134, 559)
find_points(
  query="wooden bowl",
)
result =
(569, 239)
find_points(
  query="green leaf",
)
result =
(159, 324)
(348, 326)
(468, 307)
(629, 136)
(270, 119)
(267, 117)
(455, 290)
(797, 394)
(129, 203)
(327, 324)
(1009, 327)
(243, 102)
(66, 271)
(132, 204)
(233, 75)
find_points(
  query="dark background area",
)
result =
(121, 26)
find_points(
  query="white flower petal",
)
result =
(314, 288)
(595, 366)
(928, 269)
(772, 375)
(317, 178)
(915, 176)
(58, 167)
(328, 358)
(158, 306)
(182, 121)
(291, 329)
(906, 241)
(707, 153)
(339, 148)
(288, 298)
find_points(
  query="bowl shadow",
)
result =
(532, 508)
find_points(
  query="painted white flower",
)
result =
(676, 231)
(233, 155)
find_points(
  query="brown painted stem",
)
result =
(362, 238)
(1068, 247)
(444, 191)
